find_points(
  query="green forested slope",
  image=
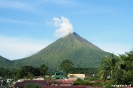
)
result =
(81, 52)
(5, 63)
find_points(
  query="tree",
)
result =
(43, 69)
(124, 75)
(108, 66)
(50, 80)
(66, 66)
(121, 70)
(5, 73)
(28, 72)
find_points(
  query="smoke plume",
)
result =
(63, 25)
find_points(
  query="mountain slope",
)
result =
(4, 62)
(80, 51)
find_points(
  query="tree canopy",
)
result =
(43, 69)
(119, 68)
(66, 65)
(107, 67)
(124, 75)
(30, 72)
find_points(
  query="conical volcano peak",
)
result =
(76, 36)
(73, 47)
(75, 33)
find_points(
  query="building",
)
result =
(59, 75)
(81, 76)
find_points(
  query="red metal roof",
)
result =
(22, 84)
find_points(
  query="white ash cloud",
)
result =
(63, 25)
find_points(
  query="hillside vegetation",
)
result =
(4, 62)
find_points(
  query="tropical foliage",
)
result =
(81, 82)
(124, 75)
(118, 69)
(43, 69)
(7, 73)
(108, 67)
(87, 71)
(66, 66)
(30, 72)
(50, 80)
(86, 82)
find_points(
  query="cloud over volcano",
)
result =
(63, 25)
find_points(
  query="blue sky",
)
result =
(27, 26)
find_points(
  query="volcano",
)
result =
(73, 47)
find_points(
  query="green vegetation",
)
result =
(43, 70)
(7, 73)
(50, 80)
(108, 67)
(31, 72)
(81, 82)
(66, 66)
(5, 63)
(87, 71)
(114, 70)
(118, 70)
(87, 81)
(27, 72)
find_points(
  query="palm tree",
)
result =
(108, 66)
(50, 80)
(124, 75)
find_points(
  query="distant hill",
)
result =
(4, 62)
(80, 51)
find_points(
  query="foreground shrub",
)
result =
(81, 82)
(91, 78)
(97, 84)
(86, 82)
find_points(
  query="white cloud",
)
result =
(14, 4)
(64, 26)
(16, 21)
(34, 6)
(64, 2)
(115, 48)
(17, 48)
(59, 2)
